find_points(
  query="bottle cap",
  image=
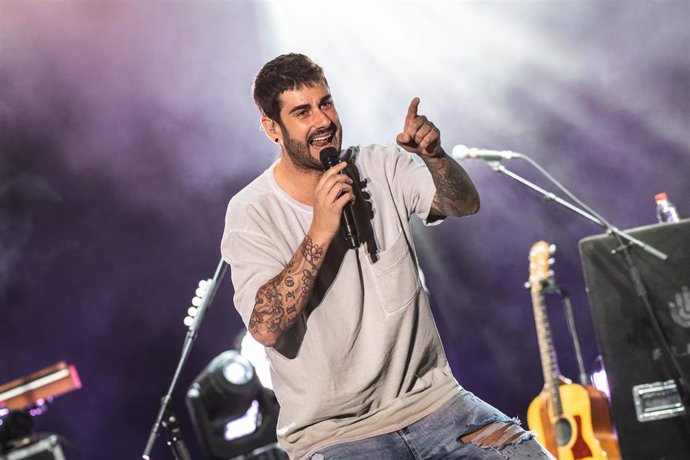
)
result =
(661, 197)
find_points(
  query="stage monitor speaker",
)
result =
(649, 416)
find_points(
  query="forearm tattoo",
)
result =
(455, 193)
(281, 300)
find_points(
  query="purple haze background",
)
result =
(125, 127)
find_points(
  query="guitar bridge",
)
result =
(656, 401)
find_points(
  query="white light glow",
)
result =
(486, 72)
(384, 53)
(256, 354)
(238, 371)
(601, 382)
(244, 425)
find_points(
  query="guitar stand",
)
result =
(570, 319)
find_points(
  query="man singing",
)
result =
(356, 361)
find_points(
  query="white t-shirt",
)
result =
(364, 358)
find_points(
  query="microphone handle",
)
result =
(348, 225)
(329, 158)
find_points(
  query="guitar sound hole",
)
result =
(563, 432)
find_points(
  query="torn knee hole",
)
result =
(496, 434)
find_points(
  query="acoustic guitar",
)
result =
(572, 421)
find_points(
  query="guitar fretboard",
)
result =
(547, 352)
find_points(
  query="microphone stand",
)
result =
(549, 196)
(175, 441)
(179, 450)
(682, 384)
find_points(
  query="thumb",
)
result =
(403, 138)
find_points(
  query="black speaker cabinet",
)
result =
(648, 413)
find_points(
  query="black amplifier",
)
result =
(648, 412)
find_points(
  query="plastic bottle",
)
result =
(665, 210)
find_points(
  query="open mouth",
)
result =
(322, 139)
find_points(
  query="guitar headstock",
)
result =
(540, 262)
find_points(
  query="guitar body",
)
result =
(585, 423)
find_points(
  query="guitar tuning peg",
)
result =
(551, 274)
(527, 285)
(191, 311)
(188, 321)
(552, 249)
(196, 301)
(551, 260)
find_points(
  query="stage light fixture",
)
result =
(233, 415)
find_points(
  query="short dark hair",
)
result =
(286, 72)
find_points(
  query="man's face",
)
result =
(309, 123)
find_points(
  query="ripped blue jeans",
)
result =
(464, 428)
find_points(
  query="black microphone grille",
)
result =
(329, 157)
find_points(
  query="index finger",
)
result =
(412, 109)
(337, 168)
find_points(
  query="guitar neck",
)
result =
(547, 352)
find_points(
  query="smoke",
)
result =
(18, 194)
(148, 98)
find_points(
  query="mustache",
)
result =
(330, 131)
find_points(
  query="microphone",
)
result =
(463, 152)
(329, 158)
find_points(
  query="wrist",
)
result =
(440, 154)
(319, 238)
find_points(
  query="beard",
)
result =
(299, 151)
(300, 155)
